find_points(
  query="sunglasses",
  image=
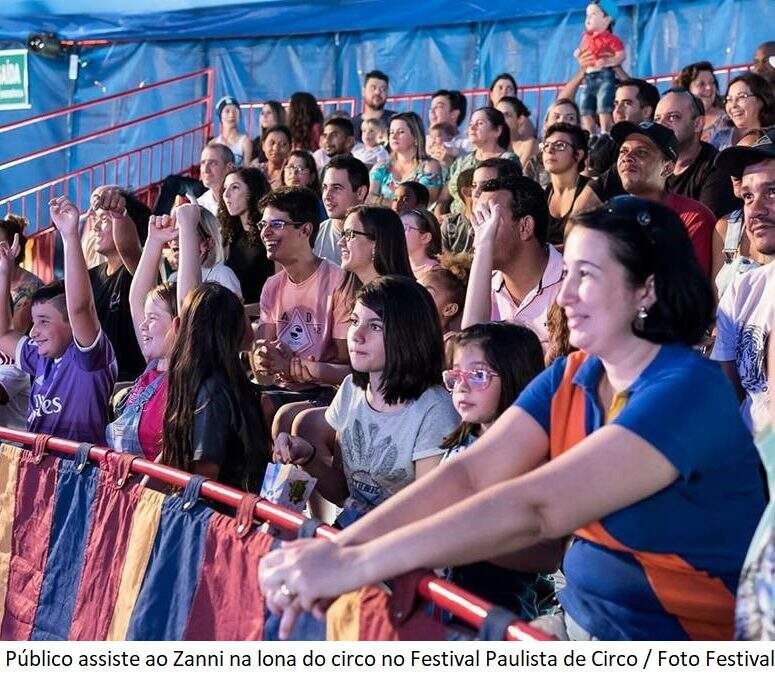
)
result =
(476, 380)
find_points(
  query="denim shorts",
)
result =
(599, 93)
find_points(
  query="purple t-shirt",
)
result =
(69, 395)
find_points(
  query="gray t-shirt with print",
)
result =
(379, 448)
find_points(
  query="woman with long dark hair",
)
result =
(305, 121)
(373, 244)
(564, 151)
(212, 422)
(239, 214)
(385, 425)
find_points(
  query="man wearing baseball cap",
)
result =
(746, 311)
(647, 154)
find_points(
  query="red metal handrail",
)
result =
(555, 87)
(257, 105)
(194, 134)
(99, 134)
(446, 595)
(106, 99)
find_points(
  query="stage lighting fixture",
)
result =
(46, 44)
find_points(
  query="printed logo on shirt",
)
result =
(299, 329)
(372, 462)
(750, 357)
(43, 406)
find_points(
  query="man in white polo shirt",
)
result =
(516, 274)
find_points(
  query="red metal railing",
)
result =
(61, 112)
(444, 594)
(537, 97)
(136, 169)
(252, 111)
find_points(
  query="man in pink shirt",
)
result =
(516, 274)
(301, 350)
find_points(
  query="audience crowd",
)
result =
(553, 344)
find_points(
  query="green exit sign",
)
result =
(14, 80)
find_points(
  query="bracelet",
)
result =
(310, 458)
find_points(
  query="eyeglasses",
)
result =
(350, 234)
(296, 170)
(740, 98)
(556, 146)
(277, 225)
(476, 380)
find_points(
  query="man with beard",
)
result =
(337, 138)
(694, 175)
(375, 92)
(746, 313)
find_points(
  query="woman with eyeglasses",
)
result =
(300, 170)
(238, 214)
(423, 239)
(750, 104)
(564, 153)
(634, 444)
(386, 423)
(699, 79)
(373, 244)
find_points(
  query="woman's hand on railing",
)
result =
(303, 575)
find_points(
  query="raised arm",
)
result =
(81, 311)
(478, 307)
(9, 337)
(247, 151)
(161, 230)
(189, 266)
(110, 199)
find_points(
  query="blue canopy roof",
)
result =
(193, 19)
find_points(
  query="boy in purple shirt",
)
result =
(68, 356)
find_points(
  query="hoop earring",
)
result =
(640, 319)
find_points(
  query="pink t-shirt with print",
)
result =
(306, 315)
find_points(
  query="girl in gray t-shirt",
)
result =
(386, 423)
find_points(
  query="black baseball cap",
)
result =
(661, 136)
(733, 160)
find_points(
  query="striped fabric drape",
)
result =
(88, 553)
